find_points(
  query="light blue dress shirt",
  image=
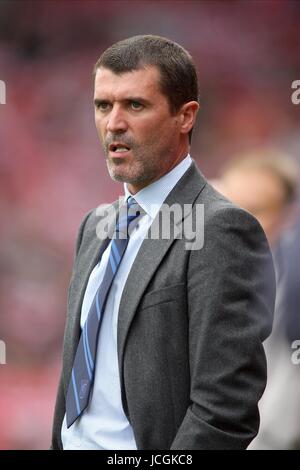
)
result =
(104, 425)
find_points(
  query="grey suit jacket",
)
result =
(190, 328)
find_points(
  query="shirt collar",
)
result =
(152, 196)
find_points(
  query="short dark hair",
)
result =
(178, 77)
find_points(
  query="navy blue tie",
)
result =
(82, 377)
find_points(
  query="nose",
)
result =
(116, 120)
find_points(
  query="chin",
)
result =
(125, 176)
(117, 177)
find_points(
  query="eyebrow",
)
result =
(97, 101)
(128, 99)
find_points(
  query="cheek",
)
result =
(157, 129)
(167, 124)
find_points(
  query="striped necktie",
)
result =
(82, 376)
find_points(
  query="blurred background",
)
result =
(52, 171)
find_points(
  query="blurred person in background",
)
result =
(291, 293)
(264, 182)
(179, 361)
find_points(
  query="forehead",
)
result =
(141, 82)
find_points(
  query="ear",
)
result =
(187, 116)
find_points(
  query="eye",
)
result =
(102, 105)
(136, 105)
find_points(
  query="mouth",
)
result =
(118, 149)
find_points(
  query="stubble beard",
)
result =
(142, 169)
(147, 162)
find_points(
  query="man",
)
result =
(163, 342)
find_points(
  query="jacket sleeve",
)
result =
(60, 398)
(231, 293)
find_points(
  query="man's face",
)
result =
(142, 140)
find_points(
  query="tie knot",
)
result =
(131, 201)
(129, 212)
(133, 208)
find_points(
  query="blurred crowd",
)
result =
(52, 171)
